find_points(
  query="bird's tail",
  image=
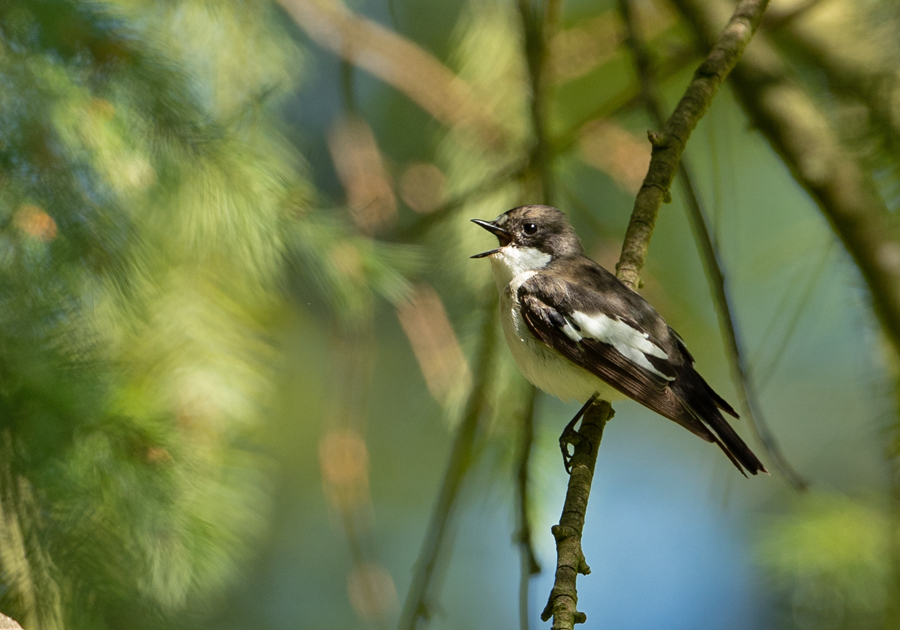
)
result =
(706, 410)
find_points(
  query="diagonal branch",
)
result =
(667, 150)
(669, 144)
(711, 261)
(801, 133)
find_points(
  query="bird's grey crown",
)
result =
(554, 234)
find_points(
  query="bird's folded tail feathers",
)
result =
(706, 410)
(721, 403)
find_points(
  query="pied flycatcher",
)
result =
(577, 332)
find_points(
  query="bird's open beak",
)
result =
(502, 235)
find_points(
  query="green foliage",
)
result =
(832, 557)
(144, 212)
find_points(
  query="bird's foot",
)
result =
(570, 436)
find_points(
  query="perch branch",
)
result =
(570, 561)
(711, 261)
(804, 138)
(666, 155)
(669, 144)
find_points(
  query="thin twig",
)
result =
(667, 150)
(417, 606)
(669, 144)
(711, 261)
(749, 400)
(771, 366)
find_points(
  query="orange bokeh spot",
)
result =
(36, 223)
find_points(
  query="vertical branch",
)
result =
(711, 259)
(417, 606)
(666, 156)
(802, 135)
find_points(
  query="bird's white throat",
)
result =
(511, 261)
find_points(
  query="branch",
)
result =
(669, 145)
(667, 150)
(398, 62)
(711, 261)
(802, 135)
(461, 458)
(570, 559)
(7, 623)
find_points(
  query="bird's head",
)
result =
(538, 232)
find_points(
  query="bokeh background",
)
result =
(249, 376)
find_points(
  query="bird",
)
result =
(578, 333)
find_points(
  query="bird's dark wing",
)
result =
(568, 318)
(590, 287)
(616, 335)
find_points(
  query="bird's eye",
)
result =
(529, 228)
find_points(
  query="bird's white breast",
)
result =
(541, 365)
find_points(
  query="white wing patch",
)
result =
(632, 343)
